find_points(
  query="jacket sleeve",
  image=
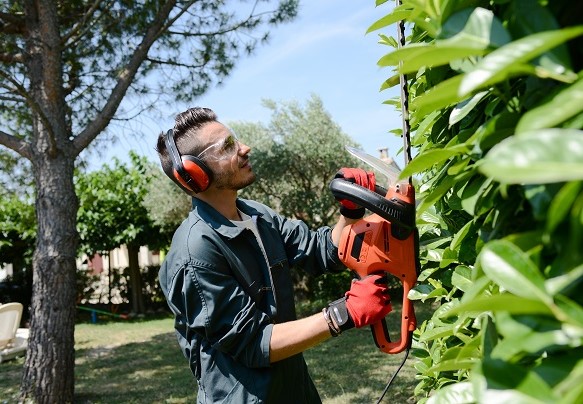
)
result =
(210, 302)
(312, 249)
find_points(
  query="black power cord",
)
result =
(394, 375)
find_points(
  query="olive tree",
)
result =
(295, 156)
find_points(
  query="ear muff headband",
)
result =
(189, 172)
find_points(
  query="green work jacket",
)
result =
(226, 298)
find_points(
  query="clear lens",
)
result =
(223, 149)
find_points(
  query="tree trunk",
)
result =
(48, 375)
(137, 299)
(49, 368)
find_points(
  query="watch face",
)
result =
(340, 316)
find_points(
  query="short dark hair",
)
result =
(186, 126)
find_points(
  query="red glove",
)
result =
(359, 177)
(367, 302)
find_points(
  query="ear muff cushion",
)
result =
(198, 171)
(174, 176)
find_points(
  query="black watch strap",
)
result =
(340, 315)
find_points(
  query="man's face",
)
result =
(226, 157)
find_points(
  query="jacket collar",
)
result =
(218, 222)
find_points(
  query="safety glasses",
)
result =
(224, 149)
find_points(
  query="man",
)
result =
(227, 275)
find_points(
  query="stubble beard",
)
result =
(229, 181)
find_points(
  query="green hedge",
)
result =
(496, 102)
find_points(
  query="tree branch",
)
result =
(12, 24)
(160, 24)
(174, 63)
(19, 146)
(11, 58)
(77, 30)
(11, 99)
(20, 90)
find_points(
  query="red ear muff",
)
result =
(198, 172)
(189, 172)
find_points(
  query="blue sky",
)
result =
(325, 52)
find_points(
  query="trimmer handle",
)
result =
(380, 332)
(396, 210)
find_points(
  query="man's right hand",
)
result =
(367, 302)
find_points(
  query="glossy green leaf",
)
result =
(539, 19)
(555, 369)
(436, 293)
(449, 257)
(502, 302)
(457, 393)
(398, 14)
(502, 62)
(443, 309)
(546, 156)
(426, 274)
(469, 351)
(508, 383)
(438, 191)
(454, 364)
(442, 95)
(472, 192)
(557, 284)
(420, 292)
(430, 217)
(510, 268)
(465, 107)
(437, 332)
(536, 342)
(569, 311)
(574, 395)
(563, 106)
(489, 336)
(437, 243)
(472, 32)
(496, 129)
(434, 255)
(462, 278)
(451, 353)
(561, 204)
(388, 40)
(428, 159)
(477, 26)
(425, 124)
(390, 82)
(570, 387)
(526, 241)
(460, 235)
(415, 56)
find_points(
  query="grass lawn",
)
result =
(140, 362)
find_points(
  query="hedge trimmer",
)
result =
(383, 241)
